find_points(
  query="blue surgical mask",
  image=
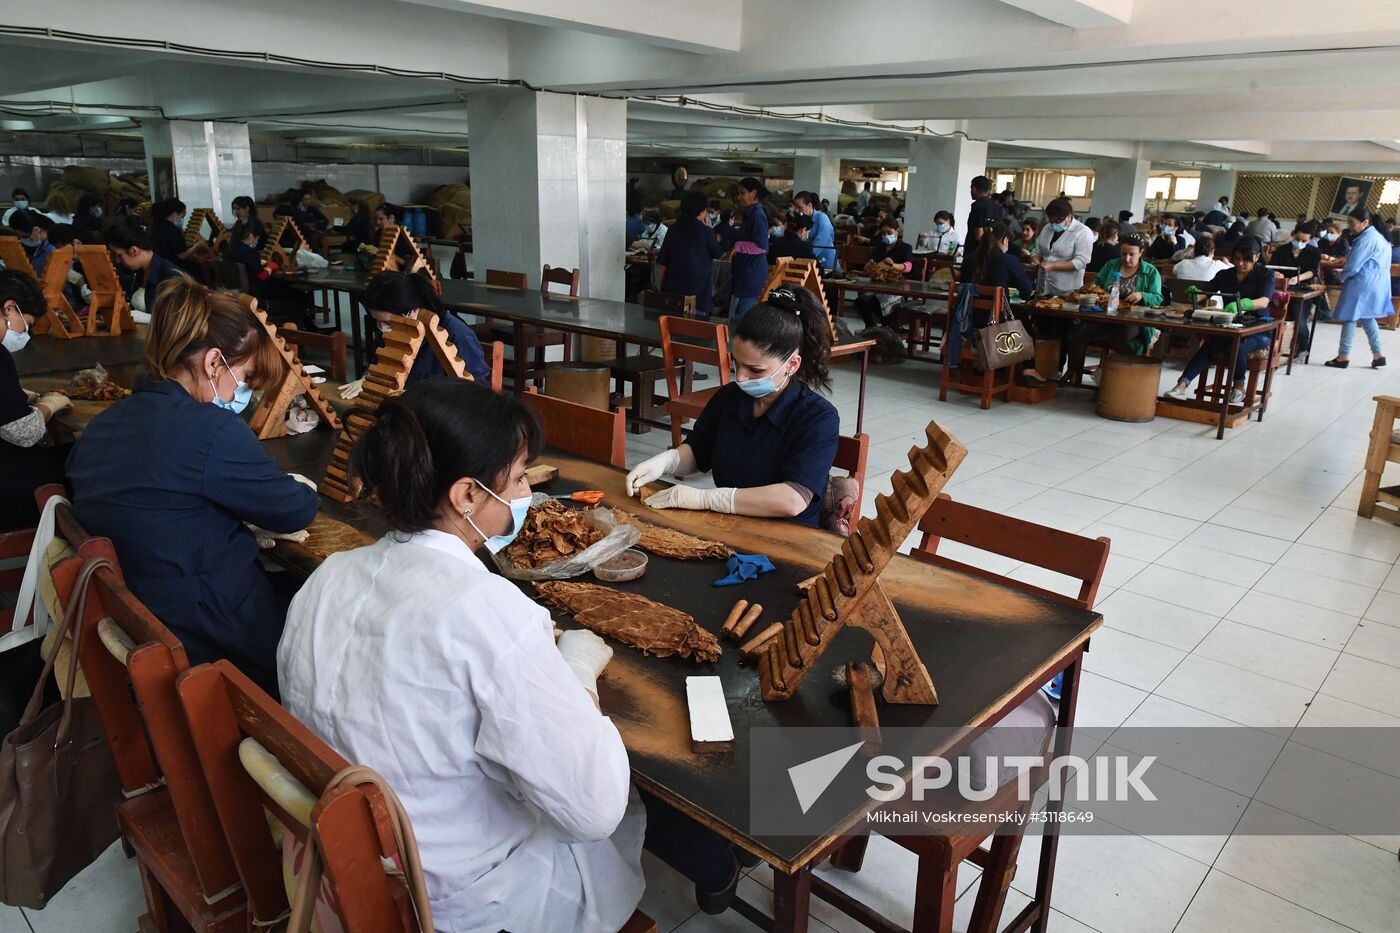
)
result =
(942, 228)
(889, 238)
(519, 508)
(15, 339)
(32, 244)
(21, 204)
(242, 393)
(1058, 228)
(1164, 228)
(778, 231)
(758, 388)
(712, 218)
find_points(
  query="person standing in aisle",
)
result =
(749, 244)
(1365, 288)
(984, 211)
(823, 237)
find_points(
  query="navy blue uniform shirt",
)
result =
(171, 480)
(426, 365)
(1258, 285)
(688, 254)
(794, 441)
(749, 271)
(160, 270)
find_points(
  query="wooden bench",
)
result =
(590, 433)
(1377, 501)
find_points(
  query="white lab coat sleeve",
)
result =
(1083, 250)
(541, 726)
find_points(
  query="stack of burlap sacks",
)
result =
(78, 180)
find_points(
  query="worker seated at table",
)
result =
(168, 236)
(310, 220)
(1202, 266)
(685, 264)
(653, 233)
(131, 248)
(1301, 264)
(1023, 244)
(1225, 243)
(1168, 240)
(991, 264)
(409, 295)
(944, 240)
(1253, 284)
(1139, 285)
(790, 239)
(387, 215)
(768, 437)
(889, 247)
(33, 229)
(413, 657)
(174, 477)
(245, 215)
(26, 463)
(87, 219)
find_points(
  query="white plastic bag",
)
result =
(616, 539)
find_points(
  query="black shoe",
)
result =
(1378, 362)
(717, 902)
(746, 858)
(1338, 364)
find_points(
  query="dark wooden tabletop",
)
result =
(982, 642)
(49, 354)
(908, 288)
(1137, 317)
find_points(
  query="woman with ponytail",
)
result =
(405, 295)
(174, 477)
(768, 437)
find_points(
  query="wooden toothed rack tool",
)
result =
(195, 225)
(387, 258)
(274, 251)
(848, 590)
(108, 314)
(803, 272)
(269, 419)
(403, 341)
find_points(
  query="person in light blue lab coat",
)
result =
(823, 237)
(1365, 289)
(174, 477)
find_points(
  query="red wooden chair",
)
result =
(536, 338)
(989, 383)
(590, 433)
(642, 371)
(851, 456)
(683, 402)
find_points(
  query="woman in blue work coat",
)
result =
(686, 261)
(1252, 285)
(749, 241)
(174, 477)
(768, 437)
(405, 295)
(1365, 289)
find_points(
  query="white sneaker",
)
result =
(1237, 396)
(1094, 377)
(1177, 393)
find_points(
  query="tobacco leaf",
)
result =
(667, 542)
(326, 536)
(552, 530)
(632, 619)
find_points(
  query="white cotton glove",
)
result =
(267, 540)
(54, 402)
(352, 389)
(688, 497)
(85, 292)
(31, 396)
(652, 469)
(587, 655)
(304, 481)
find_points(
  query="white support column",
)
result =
(818, 172)
(940, 178)
(211, 162)
(1215, 184)
(548, 173)
(1120, 185)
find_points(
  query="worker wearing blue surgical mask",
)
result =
(20, 199)
(173, 475)
(767, 436)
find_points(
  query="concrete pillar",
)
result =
(940, 177)
(1216, 183)
(818, 172)
(1120, 185)
(548, 173)
(203, 163)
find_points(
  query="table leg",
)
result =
(1225, 394)
(521, 364)
(860, 405)
(1050, 842)
(356, 336)
(792, 896)
(1269, 370)
(1293, 345)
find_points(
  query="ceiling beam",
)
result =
(1078, 14)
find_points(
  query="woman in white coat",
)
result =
(411, 657)
(1365, 289)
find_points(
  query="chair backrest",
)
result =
(856, 255)
(1059, 551)
(591, 433)
(851, 456)
(230, 275)
(224, 708)
(918, 269)
(989, 298)
(552, 276)
(1090, 276)
(506, 279)
(495, 352)
(673, 350)
(683, 305)
(1174, 289)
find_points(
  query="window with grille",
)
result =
(1076, 186)
(1159, 188)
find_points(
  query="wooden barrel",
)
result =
(581, 383)
(1128, 388)
(1047, 357)
(596, 349)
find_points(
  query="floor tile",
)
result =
(1226, 903)
(1333, 791)
(12, 920)
(1376, 642)
(1214, 749)
(1365, 683)
(1104, 703)
(1343, 729)
(1165, 524)
(1072, 503)
(731, 921)
(1214, 565)
(1346, 567)
(1130, 660)
(1317, 589)
(1314, 624)
(669, 898)
(1131, 542)
(1385, 608)
(105, 896)
(1262, 523)
(1238, 695)
(1187, 590)
(1238, 543)
(1185, 505)
(1287, 659)
(1155, 620)
(1348, 532)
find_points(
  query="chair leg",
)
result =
(676, 430)
(936, 893)
(991, 889)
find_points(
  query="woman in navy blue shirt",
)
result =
(130, 245)
(687, 257)
(768, 437)
(398, 293)
(749, 241)
(174, 477)
(1253, 284)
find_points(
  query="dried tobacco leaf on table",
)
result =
(633, 620)
(552, 530)
(104, 392)
(667, 542)
(326, 536)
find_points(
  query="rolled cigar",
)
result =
(757, 643)
(809, 625)
(741, 627)
(861, 552)
(734, 614)
(824, 598)
(844, 581)
(790, 643)
(775, 667)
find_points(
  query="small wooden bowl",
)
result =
(629, 565)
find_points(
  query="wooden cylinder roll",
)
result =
(581, 383)
(1128, 388)
(1047, 357)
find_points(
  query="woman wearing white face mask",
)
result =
(410, 656)
(768, 437)
(174, 477)
(25, 462)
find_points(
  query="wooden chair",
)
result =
(989, 383)
(682, 402)
(566, 277)
(130, 661)
(1384, 448)
(852, 454)
(1220, 376)
(495, 353)
(506, 279)
(536, 338)
(641, 372)
(332, 345)
(590, 433)
(855, 256)
(940, 856)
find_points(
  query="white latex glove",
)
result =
(652, 469)
(85, 292)
(268, 539)
(301, 420)
(303, 480)
(587, 655)
(688, 497)
(352, 389)
(31, 396)
(54, 402)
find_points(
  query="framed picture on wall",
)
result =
(163, 182)
(1351, 194)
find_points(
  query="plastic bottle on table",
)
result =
(1113, 286)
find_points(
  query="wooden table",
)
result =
(528, 308)
(987, 646)
(905, 288)
(1203, 331)
(48, 354)
(1298, 297)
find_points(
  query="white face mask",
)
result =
(15, 340)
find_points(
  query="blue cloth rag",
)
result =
(744, 567)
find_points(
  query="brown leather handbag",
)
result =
(58, 783)
(1003, 344)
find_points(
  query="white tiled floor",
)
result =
(1242, 589)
